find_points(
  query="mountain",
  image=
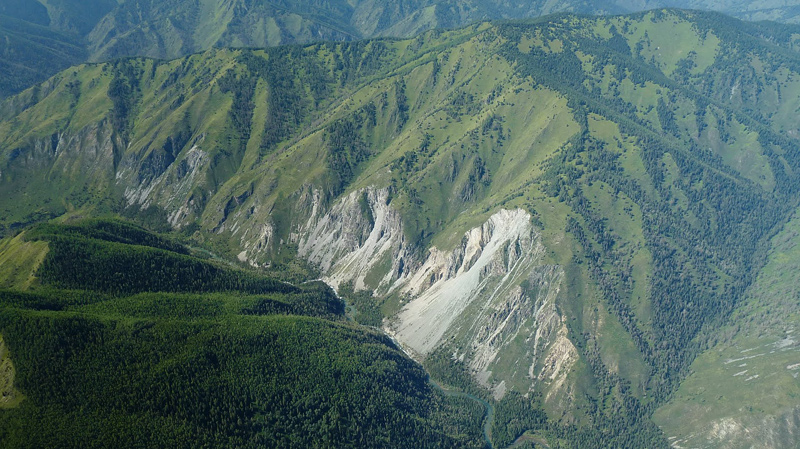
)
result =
(105, 354)
(43, 37)
(563, 214)
(777, 10)
(741, 392)
(175, 28)
(29, 54)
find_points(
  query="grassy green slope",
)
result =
(743, 390)
(187, 365)
(104, 29)
(174, 28)
(656, 166)
(778, 11)
(31, 53)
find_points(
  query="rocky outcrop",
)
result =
(746, 432)
(88, 153)
(356, 237)
(162, 179)
(487, 264)
(491, 297)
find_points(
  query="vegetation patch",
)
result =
(10, 397)
(244, 361)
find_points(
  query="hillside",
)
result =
(125, 339)
(742, 391)
(43, 37)
(777, 10)
(565, 210)
(30, 53)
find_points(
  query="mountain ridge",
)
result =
(654, 177)
(108, 29)
(202, 354)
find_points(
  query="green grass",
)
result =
(173, 366)
(749, 377)
(655, 231)
(19, 261)
(10, 397)
(669, 41)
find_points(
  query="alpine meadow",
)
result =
(389, 225)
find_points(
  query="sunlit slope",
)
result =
(743, 391)
(44, 36)
(777, 10)
(600, 187)
(129, 338)
(175, 28)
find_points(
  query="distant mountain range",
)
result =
(40, 37)
(568, 215)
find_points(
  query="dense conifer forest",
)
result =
(604, 205)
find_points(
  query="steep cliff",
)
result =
(491, 299)
(569, 209)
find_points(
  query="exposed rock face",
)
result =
(768, 432)
(485, 264)
(491, 297)
(85, 154)
(161, 179)
(353, 237)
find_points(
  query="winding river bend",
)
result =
(488, 417)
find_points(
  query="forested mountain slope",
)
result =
(742, 392)
(565, 210)
(778, 10)
(31, 53)
(42, 37)
(127, 339)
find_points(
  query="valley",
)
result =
(742, 391)
(583, 222)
